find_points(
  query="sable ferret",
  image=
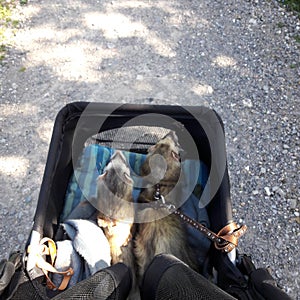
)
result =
(116, 213)
(165, 235)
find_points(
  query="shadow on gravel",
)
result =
(134, 44)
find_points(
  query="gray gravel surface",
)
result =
(238, 57)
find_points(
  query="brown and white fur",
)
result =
(165, 233)
(116, 214)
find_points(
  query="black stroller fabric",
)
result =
(112, 283)
(76, 123)
(169, 278)
(244, 281)
(166, 278)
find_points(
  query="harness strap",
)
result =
(50, 250)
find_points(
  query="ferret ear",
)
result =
(172, 135)
(102, 176)
(152, 148)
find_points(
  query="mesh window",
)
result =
(133, 138)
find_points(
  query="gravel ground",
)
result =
(238, 57)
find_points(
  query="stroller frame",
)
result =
(75, 123)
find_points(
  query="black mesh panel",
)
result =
(113, 283)
(176, 281)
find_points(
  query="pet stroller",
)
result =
(86, 134)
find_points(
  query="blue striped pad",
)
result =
(83, 186)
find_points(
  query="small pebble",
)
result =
(21, 237)
(280, 192)
(293, 203)
(26, 191)
(252, 21)
(267, 191)
(247, 103)
(28, 199)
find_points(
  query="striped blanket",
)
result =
(83, 186)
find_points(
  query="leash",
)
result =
(225, 240)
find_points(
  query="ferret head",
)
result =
(163, 159)
(114, 186)
(168, 147)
